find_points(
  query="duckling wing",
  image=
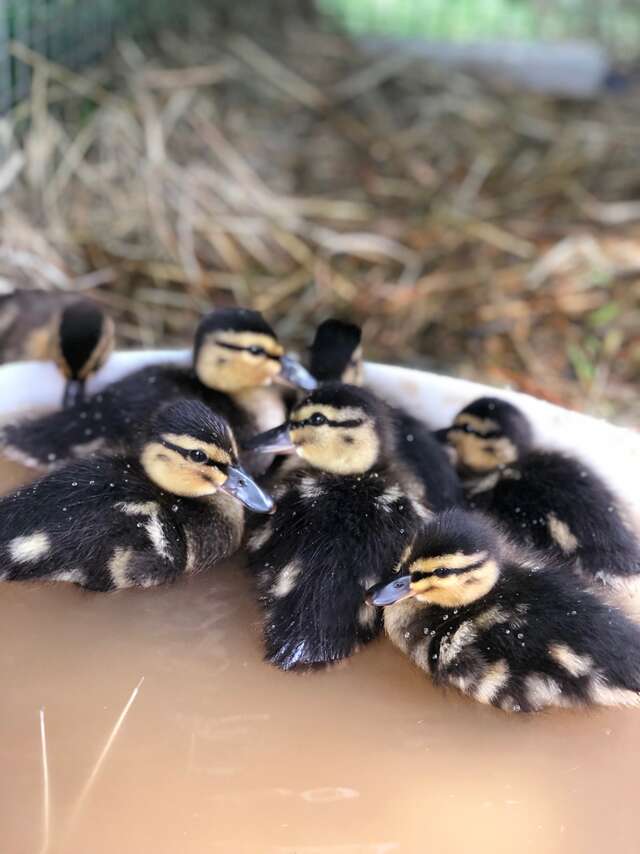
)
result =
(108, 422)
(555, 503)
(96, 523)
(428, 461)
(328, 542)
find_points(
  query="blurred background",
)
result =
(462, 177)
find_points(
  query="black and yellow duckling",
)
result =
(504, 633)
(236, 357)
(63, 328)
(343, 516)
(545, 499)
(140, 520)
(336, 354)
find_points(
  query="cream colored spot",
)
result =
(29, 548)
(542, 691)
(86, 449)
(575, 664)
(463, 683)
(451, 647)
(561, 534)
(389, 497)
(153, 525)
(157, 536)
(482, 484)
(286, 580)
(605, 695)
(494, 678)
(491, 617)
(141, 508)
(118, 564)
(259, 537)
(309, 488)
(74, 576)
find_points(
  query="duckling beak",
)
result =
(292, 372)
(73, 393)
(246, 490)
(386, 593)
(274, 441)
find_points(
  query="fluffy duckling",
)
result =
(236, 357)
(336, 354)
(504, 633)
(545, 499)
(343, 516)
(114, 522)
(63, 328)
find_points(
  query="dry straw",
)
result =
(470, 228)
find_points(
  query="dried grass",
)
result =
(473, 230)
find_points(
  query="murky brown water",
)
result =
(220, 753)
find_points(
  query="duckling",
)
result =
(336, 354)
(140, 520)
(545, 499)
(501, 631)
(63, 328)
(236, 357)
(343, 515)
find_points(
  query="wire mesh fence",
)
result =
(71, 32)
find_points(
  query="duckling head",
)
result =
(454, 561)
(341, 429)
(82, 343)
(236, 349)
(336, 352)
(191, 451)
(488, 434)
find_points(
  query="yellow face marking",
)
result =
(232, 371)
(481, 454)
(459, 560)
(454, 590)
(332, 447)
(172, 472)
(481, 425)
(333, 413)
(190, 443)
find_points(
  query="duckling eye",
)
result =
(441, 573)
(255, 350)
(197, 456)
(317, 419)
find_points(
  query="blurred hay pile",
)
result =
(475, 231)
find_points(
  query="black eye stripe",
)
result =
(184, 452)
(259, 351)
(464, 428)
(445, 571)
(353, 422)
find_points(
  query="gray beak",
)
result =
(293, 373)
(275, 441)
(387, 593)
(246, 490)
(73, 393)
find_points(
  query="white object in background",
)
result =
(435, 399)
(574, 69)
